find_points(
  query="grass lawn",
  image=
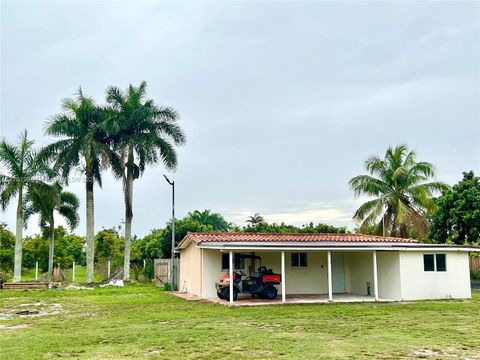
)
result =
(80, 275)
(142, 321)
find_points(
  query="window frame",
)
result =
(299, 266)
(435, 257)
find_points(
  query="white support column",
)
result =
(375, 275)
(230, 272)
(284, 292)
(329, 261)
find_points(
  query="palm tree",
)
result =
(255, 220)
(83, 146)
(46, 200)
(403, 191)
(144, 133)
(23, 169)
(207, 217)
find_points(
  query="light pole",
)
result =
(172, 183)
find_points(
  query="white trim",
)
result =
(284, 292)
(330, 288)
(230, 271)
(375, 275)
(338, 248)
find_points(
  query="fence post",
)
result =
(108, 269)
(36, 270)
(143, 264)
(73, 272)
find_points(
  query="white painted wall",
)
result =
(190, 270)
(389, 284)
(212, 271)
(358, 271)
(417, 284)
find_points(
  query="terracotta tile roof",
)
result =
(241, 237)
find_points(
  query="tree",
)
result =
(85, 146)
(457, 218)
(144, 133)
(148, 247)
(181, 228)
(7, 248)
(24, 169)
(108, 244)
(255, 220)
(403, 189)
(207, 217)
(47, 199)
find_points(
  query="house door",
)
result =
(338, 273)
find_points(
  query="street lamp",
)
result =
(172, 183)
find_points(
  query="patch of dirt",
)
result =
(448, 354)
(34, 310)
(15, 327)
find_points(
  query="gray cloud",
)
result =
(281, 101)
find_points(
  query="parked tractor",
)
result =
(260, 283)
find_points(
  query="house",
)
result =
(329, 267)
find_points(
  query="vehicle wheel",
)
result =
(270, 292)
(220, 295)
(226, 293)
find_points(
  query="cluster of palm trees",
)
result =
(126, 135)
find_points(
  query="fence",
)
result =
(475, 264)
(162, 272)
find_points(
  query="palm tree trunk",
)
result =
(90, 226)
(128, 192)
(17, 270)
(50, 250)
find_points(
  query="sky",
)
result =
(281, 102)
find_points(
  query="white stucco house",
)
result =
(329, 267)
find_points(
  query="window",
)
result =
(437, 262)
(441, 262)
(299, 259)
(428, 262)
(238, 263)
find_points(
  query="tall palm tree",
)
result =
(144, 134)
(22, 168)
(46, 200)
(403, 189)
(84, 146)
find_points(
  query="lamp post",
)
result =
(172, 183)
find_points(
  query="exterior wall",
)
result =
(191, 270)
(417, 284)
(358, 271)
(388, 270)
(212, 271)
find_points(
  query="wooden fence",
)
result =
(162, 272)
(475, 263)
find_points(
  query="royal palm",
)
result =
(22, 168)
(403, 192)
(83, 146)
(45, 200)
(144, 134)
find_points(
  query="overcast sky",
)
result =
(281, 101)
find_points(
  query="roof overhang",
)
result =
(332, 246)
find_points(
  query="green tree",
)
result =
(207, 217)
(144, 133)
(255, 220)
(46, 200)
(108, 245)
(148, 247)
(403, 189)
(181, 228)
(24, 169)
(7, 248)
(83, 146)
(457, 218)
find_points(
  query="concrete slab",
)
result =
(247, 300)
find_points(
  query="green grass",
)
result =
(142, 321)
(80, 275)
